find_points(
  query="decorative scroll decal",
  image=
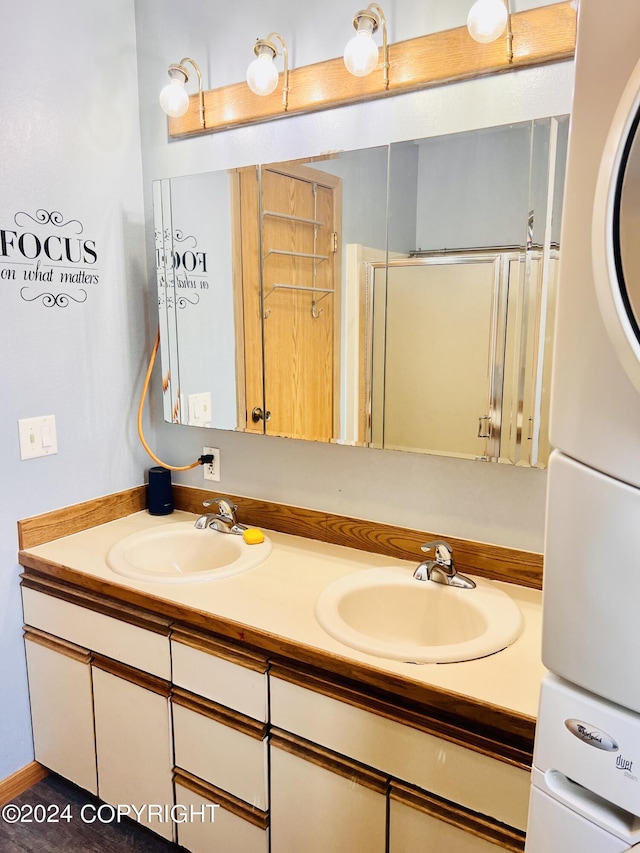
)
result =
(44, 248)
(183, 301)
(61, 300)
(43, 217)
(179, 267)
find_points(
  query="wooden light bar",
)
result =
(542, 35)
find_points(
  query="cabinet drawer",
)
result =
(214, 822)
(137, 646)
(235, 679)
(474, 780)
(418, 821)
(220, 747)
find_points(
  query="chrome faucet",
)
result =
(442, 569)
(225, 520)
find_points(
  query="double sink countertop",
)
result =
(272, 607)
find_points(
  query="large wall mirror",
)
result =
(396, 297)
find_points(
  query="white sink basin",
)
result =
(388, 613)
(179, 553)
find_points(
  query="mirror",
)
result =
(396, 297)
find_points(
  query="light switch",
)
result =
(200, 409)
(37, 436)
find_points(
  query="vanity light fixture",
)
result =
(361, 52)
(488, 19)
(174, 99)
(262, 74)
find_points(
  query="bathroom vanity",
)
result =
(227, 702)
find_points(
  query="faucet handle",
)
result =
(443, 552)
(225, 506)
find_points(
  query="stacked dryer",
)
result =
(586, 778)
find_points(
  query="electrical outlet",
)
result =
(212, 469)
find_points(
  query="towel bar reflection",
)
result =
(315, 313)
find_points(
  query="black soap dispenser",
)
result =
(159, 496)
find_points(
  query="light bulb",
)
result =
(361, 54)
(174, 99)
(487, 20)
(262, 74)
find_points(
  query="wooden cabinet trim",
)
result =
(219, 713)
(207, 644)
(502, 733)
(219, 797)
(62, 647)
(329, 760)
(134, 676)
(422, 720)
(90, 601)
(465, 819)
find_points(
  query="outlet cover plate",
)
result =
(212, 469)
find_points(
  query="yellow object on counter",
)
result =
(253, 536)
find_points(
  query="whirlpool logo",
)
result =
(590, 735)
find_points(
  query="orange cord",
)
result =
(143, 397)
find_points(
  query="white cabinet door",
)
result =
(320, 802)
(61, 708)
(133, 743)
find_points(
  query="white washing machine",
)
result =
(591, 630)
(586, 789)
(585, 775)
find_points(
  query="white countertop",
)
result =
(278, 597)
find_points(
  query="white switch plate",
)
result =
(37, 436)
(200, 409)
(212, 469)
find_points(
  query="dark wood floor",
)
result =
(51, 795)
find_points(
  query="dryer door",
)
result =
(616, 231)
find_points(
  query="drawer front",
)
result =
(316, 810)
(222, 681)
(221, 755)
(411, 830)
(478, 782)
(138, 647)
(216, 830)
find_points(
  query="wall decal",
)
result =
(182, 263)
(60, 300)
(44, 248)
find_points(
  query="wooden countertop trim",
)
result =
(490, 561)
(72, 519)
(219, 713)
(221, 798)
(422, 720)
(61, 647)
(477, 558)
(507, 730)
(328, 760)
(132, 675)
(205, 643)
(58, 589)
(456, 815)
